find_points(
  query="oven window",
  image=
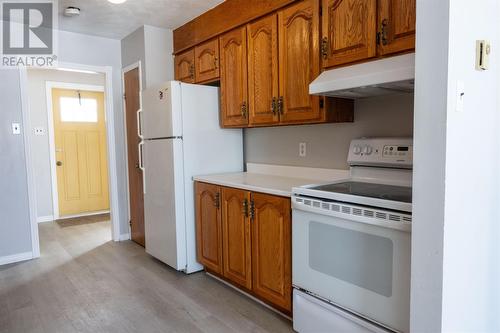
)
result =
(358, 258)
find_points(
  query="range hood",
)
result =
(374, 78)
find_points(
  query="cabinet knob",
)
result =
(59, 163)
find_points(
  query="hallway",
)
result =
(84, 282)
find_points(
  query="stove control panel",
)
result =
(382, 152)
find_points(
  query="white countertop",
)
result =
(270, 183)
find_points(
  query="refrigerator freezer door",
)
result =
(165, 224)
(162, 111)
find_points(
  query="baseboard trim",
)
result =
(43, 219)
(100, 212)
(16, 258)
(249, 296)
(124, 237)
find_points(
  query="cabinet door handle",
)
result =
(244, 110)
(216, 63)
(141, 158)
(273, 106)
(252, 210)
(324, 47)
(217, 200)
(191, 71)
(245, 207)
(382, 35)
(280, 105)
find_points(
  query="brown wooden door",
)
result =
(233, 75)
(263, 71)
(299, 62)
(396, 24)
(208, 226)
(236, 236)
(350, 31)
(184, 67)
(135, 176)
(206, 59)
(271, 249)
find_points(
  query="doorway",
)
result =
(132, 87)
(81, 168)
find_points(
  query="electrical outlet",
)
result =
(16, 128)
(39, 131)
(302, 149)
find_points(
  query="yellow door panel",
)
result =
(81, 154)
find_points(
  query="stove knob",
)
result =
(367, 150)
(357, 150)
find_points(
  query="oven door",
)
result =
(361, 267)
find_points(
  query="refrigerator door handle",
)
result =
(141, 166)
(139, 124)
(141, 159)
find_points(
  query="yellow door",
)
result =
(80, 140)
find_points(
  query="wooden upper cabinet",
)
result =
(349, 31)
(208, 226)
(233, 78)
(299, 62)
(263, 71)
(206, 58)
(271, 250)
(396, 26)
(236, 235)
(184, 67)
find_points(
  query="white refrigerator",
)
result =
(182, 138)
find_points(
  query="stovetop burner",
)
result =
(372, 190)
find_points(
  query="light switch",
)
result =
(460, 96)
(16, 128)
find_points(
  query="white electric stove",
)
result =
(351, 243)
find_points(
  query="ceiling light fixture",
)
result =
(117, 1)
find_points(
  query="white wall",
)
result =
(153, 47)
(328, 144)
(15, 229)
(133, 50)
(455, 251)
(429, 164)
(159, 47)
(471, 256)
(40, 151)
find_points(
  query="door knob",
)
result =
(59, 163)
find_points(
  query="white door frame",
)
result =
(110, 135)
(49, 85)
(125, 70)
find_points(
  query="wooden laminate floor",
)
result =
(84, 282)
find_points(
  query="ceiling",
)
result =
(102, 18)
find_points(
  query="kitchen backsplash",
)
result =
(328, 144)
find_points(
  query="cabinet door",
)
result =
(263, 71)
(233, 67)
(299, 59)
(271, 249)
(208, 226)
(206, 58)
(396, 24)
(349, 31)
(236, 237)
(184, 67)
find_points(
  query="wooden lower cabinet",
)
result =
(272, 249)
(236, 238)
(252, 247)
(208, 226)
